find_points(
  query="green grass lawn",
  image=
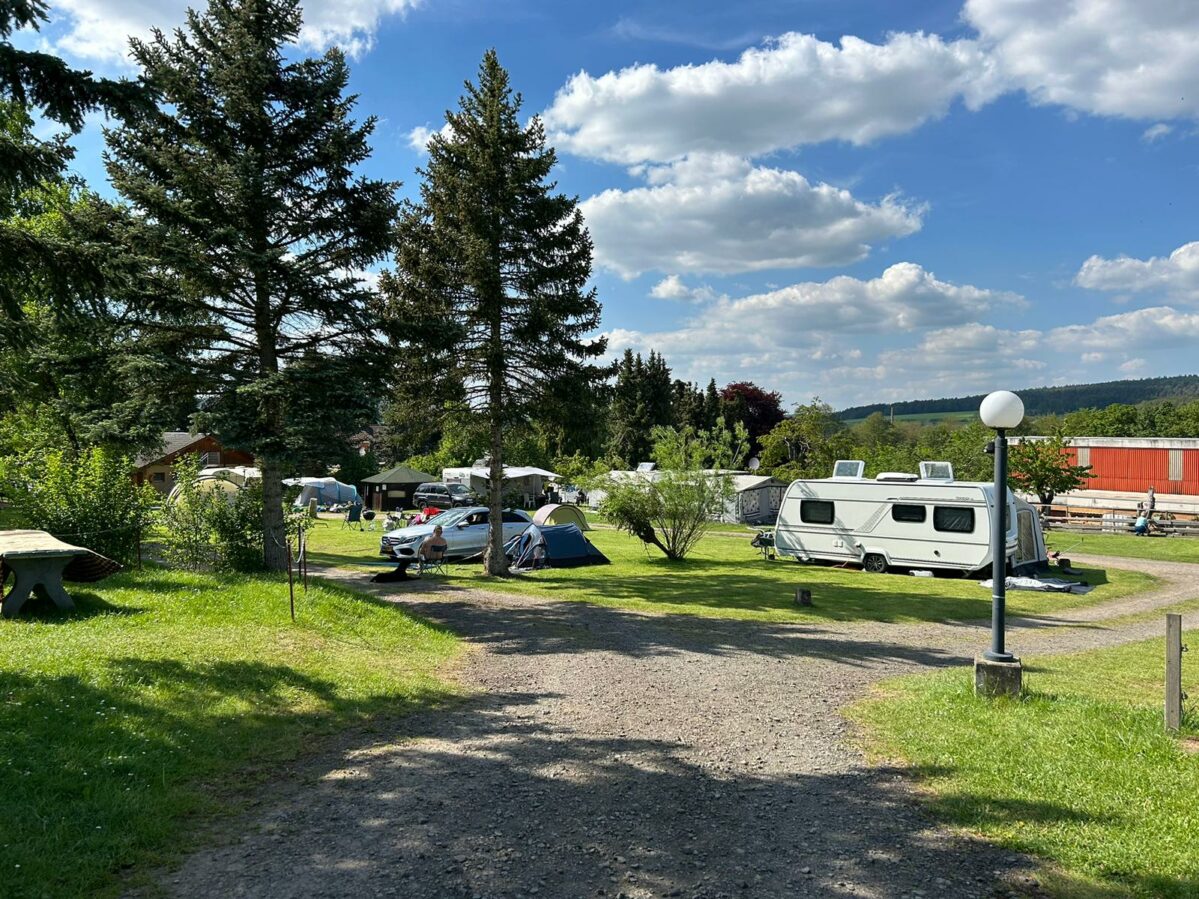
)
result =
(1079, 772)
(1166, 549)
(726, 577)
(145, 710)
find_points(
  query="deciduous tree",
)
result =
(1043, 467)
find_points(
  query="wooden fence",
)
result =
(1097, 522)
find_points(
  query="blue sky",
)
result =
(864, 201)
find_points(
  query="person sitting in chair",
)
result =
(433, 546)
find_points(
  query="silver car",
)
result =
(464, 530)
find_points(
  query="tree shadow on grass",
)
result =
(104, 770)
(87, 605)
(497, 800)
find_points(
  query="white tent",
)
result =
(226, 480)
(525, 480)
(326, 491)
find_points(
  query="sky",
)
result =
(860, 200)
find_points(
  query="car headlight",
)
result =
(406, 540)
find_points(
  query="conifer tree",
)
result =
(41, 83)
(490, 285)
(246, 199)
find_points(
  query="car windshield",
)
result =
(459, 488)
(445, 519)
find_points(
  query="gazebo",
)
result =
(392, 489)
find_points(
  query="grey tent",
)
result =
(392, 489)
(553, 546)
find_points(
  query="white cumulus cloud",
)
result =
(1136, 59)
(1132, 58)
(99, 30)
(1176, 275)
(716, 213)
(793, 90)
(672, 288)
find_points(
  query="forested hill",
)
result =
(1049, 400)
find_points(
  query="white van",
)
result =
(901, 521)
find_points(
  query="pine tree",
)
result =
(490, 286)
(31, 81)
(246, 200)
(711, 405)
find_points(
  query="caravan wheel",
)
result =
(874, 563)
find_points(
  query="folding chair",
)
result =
(434, 560)
(353, 517)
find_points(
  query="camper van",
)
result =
(897, 520)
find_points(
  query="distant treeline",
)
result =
(1050, 400)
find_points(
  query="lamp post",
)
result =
(998, 672)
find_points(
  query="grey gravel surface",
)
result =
(606, 753)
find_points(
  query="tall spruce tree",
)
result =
(491, 272)
(246, 199)
(41, 83)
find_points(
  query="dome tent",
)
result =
(326, 491)
(561, 513)
(553, 546)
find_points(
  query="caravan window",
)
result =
(815, 511)
(954, 519)
(915, 514)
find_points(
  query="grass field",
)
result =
(1079, 772)
(145, 710)
(928, 418)
(726, 577)
(1167, 549)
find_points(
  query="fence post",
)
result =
(291, 585)
(1173, 672)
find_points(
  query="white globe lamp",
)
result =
(1002, 410)
(997, 671)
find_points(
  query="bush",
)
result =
(671, 510)
(209, 529)
(88, 499)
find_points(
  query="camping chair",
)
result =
(433, 560)
(353, 517)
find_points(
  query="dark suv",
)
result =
(443, 496)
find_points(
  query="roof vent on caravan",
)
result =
(852, 469)
(936, 471)
(896, 476)
(645, 467)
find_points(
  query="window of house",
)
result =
(815, 511)
(903, 512)
(953, 519)
(159, 477)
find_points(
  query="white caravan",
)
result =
(901, 521)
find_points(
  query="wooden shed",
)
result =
(392, 489)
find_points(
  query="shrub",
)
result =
(671, 509)
(87, 498)
(208, 529)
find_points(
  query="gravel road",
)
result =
(607, 753)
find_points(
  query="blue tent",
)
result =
(553, 546)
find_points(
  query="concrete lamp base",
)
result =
(997, 678)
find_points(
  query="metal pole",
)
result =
(997, 652)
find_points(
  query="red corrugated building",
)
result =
(1134, 464)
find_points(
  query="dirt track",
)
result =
(608, 753)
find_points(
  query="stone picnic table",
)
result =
(40, 562)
